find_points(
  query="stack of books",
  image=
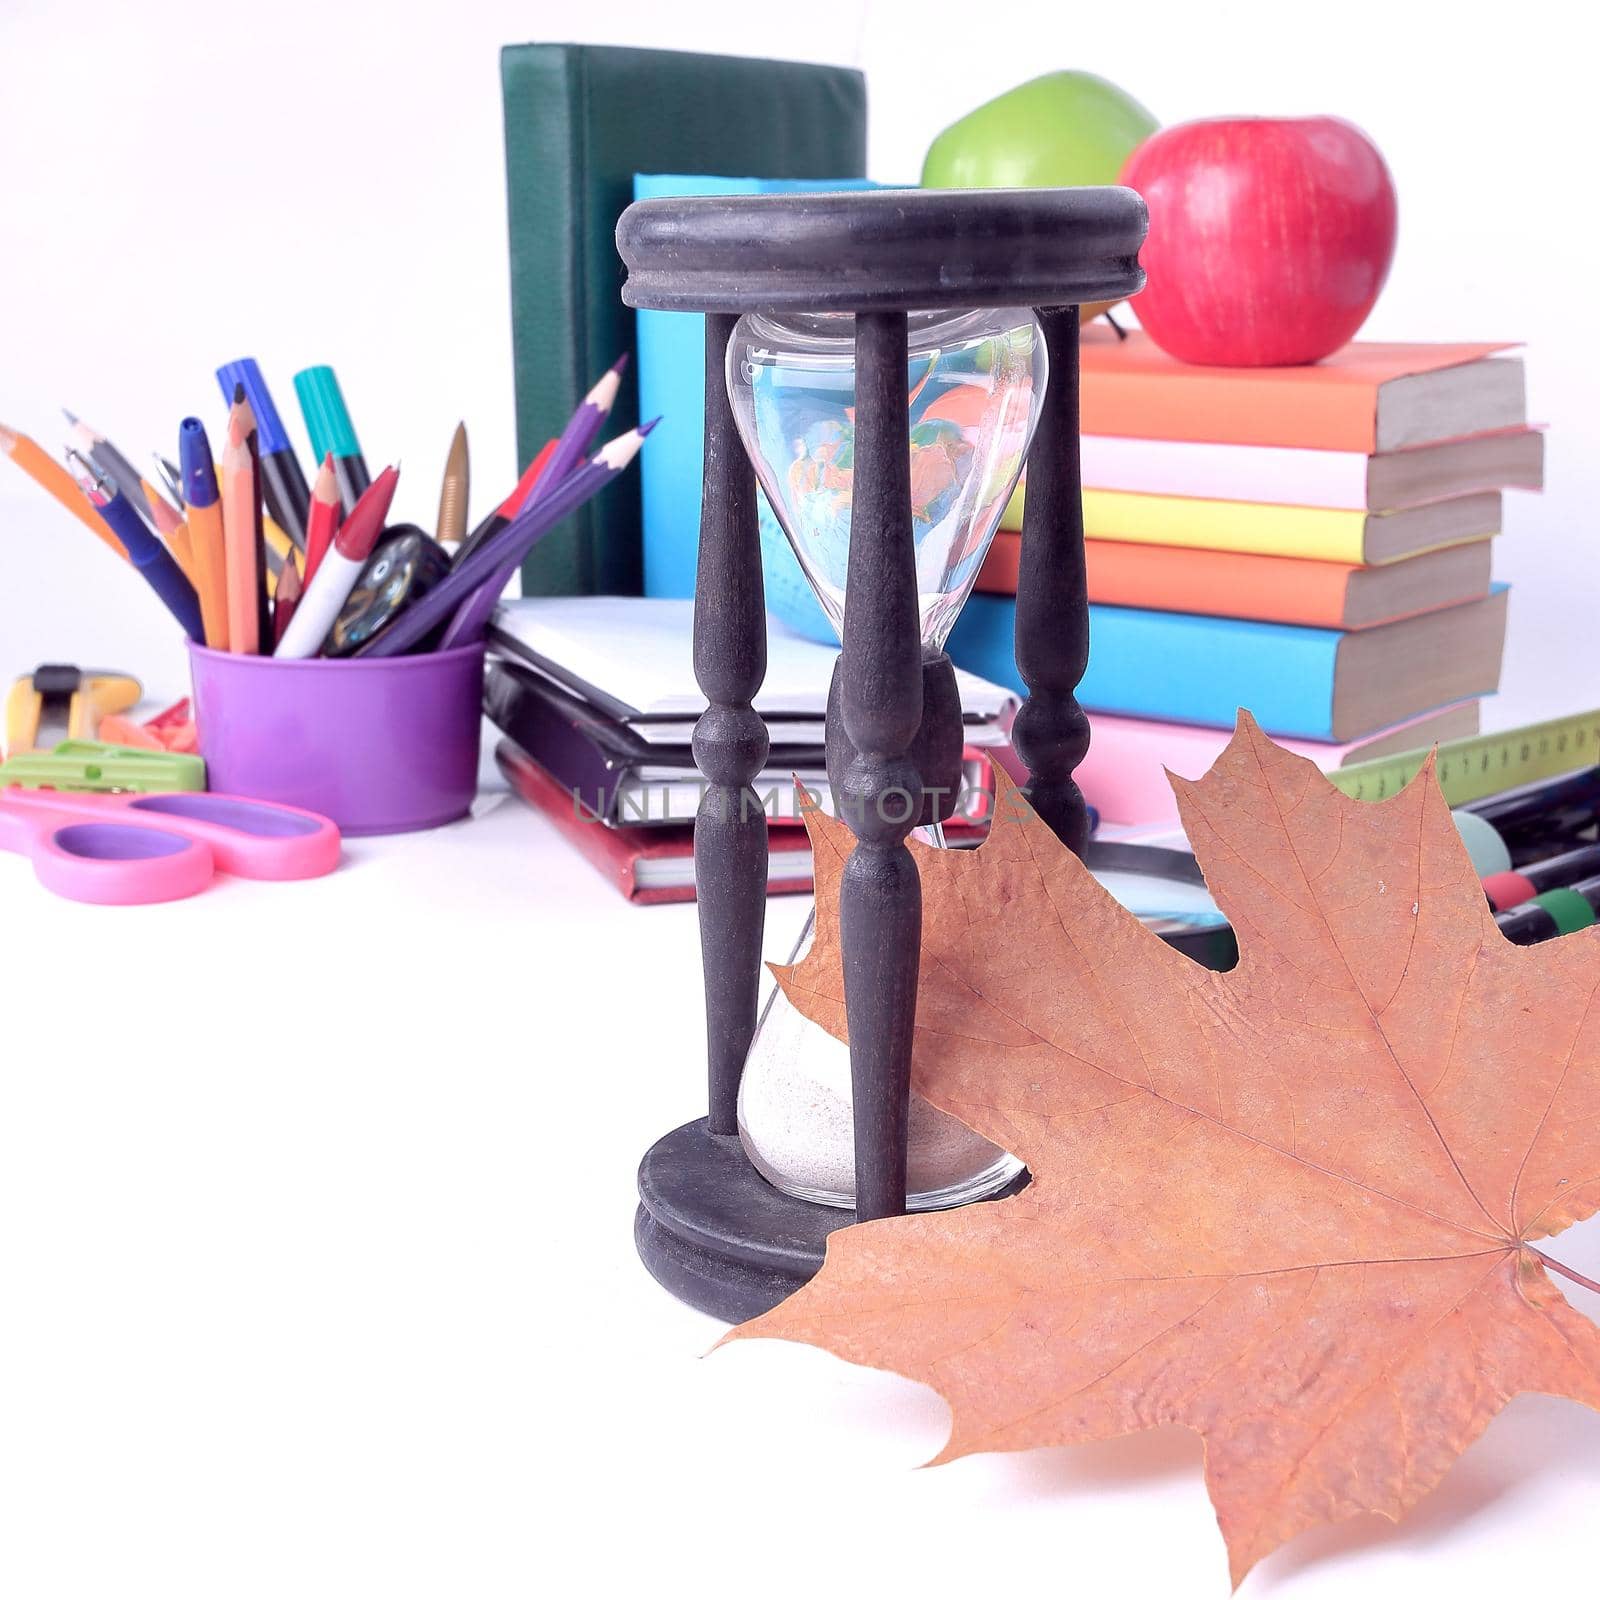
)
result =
(598, 701)
(1312, 543)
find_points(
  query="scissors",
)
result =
(138, 849)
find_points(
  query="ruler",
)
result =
(1490, 763)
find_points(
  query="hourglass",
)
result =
(900, 353)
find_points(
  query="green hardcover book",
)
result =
(580, 121)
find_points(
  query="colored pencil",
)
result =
(242, 538)
(452, 523)
(199, 479)
(325, 596)
(508, 508)
(58, 483)
(436, 609)
(332, 432)
(327, 512)
(282, 482)
(150, 557)
(285, 602)
(582, 428)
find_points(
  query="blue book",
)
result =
(671, 359)
(1303, 683)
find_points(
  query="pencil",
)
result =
(581, 430)
(171, 526)
(58, 483)
(242, 539)
(285, 601)
(282, 481)
(327, 512)
(199, 478)
(453, 491)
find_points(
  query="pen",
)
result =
(147, 553)
(325, 596)
(282, 482)
(199, 484)
(111, 461)
(332, 432)
(452, 524)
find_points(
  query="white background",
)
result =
(315, 1276)
(329, 185)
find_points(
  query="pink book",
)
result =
(1123, 775)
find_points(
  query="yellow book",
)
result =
(1312, 533)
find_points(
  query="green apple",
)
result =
(1058, 131)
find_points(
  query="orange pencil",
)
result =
(56, 481)
(172, 528)
(327, 512)
(242, 541)
(206, 538)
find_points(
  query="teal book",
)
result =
(671, 365)
(580, 121)
(1303, 683)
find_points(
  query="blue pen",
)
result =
(146, 551)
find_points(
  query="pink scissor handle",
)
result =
(249, 838)
(112, 864)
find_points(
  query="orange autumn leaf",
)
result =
(1289, 1206)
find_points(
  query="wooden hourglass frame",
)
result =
(709, 1227)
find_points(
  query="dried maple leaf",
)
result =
(1287, 1206)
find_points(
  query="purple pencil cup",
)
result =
(387, 746)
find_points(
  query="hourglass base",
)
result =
(715, 1234)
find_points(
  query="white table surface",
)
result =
(318, 1280)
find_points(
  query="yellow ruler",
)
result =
(1470, 769)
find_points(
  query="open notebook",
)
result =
(633, 659)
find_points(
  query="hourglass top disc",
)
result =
(883, 250)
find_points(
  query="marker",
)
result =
(1538, 816)
(319, 609)
(282, 482)
(332, 432)
(1507, 890)
(1552, 913)
(147, 553)
(508, 508)
(198, 480)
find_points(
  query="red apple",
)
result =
(1269, 237)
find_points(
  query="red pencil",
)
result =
(287, 598)
(327, 512)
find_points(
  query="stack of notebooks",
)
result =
(598, 701)
(1312, 543)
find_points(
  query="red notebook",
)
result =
(655, 865)
(651, 866)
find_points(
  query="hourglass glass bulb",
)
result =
(975, 379)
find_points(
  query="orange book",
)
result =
(1367, 397)
(1223, 583)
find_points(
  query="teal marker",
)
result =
(332, 432)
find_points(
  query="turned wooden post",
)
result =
(880, 894)
(730, 741)
(1051, 732)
